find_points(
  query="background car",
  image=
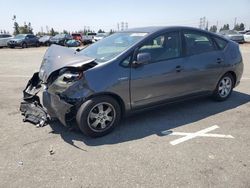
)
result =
(73, 43)
(88, 38)
(44, 40)
(247, 37)
(99, 36)
(24, 41)
(4, 38)
(77, 36)
(60, 39)
(233, 35)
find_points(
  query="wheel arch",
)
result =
(233, 74)
(114, 96)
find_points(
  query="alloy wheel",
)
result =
(225, 87)
(101, 117)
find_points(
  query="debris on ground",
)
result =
(51, 151)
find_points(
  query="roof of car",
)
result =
(152, 29)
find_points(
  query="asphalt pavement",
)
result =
(196, 143)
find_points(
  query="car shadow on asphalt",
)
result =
(154, 121)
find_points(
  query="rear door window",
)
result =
(197, 43)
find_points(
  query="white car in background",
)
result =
(4, 38)
(247, 37)
(100, 36)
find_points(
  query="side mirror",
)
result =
(142, 58)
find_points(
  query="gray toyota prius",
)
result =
(96, 86)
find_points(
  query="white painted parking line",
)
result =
(201, 133)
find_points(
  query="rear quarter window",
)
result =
(221, 43)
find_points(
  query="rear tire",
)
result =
(98, 116)
(224, 87)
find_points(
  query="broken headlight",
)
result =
(71, 76)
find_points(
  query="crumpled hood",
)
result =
(57, 57)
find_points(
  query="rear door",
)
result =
(203, 60)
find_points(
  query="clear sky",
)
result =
(75, 14)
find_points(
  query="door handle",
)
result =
(219, 60)
(178, 68)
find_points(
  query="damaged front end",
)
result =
(62, 80)
(31, 107)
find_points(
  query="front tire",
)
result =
(224, 87)
(24, 45)
(98, 116)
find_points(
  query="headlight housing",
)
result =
(71, 76)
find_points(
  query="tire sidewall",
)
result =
(24, 45)
(83, 112)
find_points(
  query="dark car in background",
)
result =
(133, 70)
(73, 43)
(233, 35)
(44, 40)
(60, 39)
(23, 41)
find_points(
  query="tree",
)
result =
(24, 29)
(225, 27)
(52, 32)
(111, 32)
(16, 28)
(101, 31)
(30, 29)
(239, 27)
(213, 28)
(65, 32)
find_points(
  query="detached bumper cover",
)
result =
(52, 106)
(30, 107)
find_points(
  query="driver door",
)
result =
(163, 77)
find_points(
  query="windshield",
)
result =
(110, 47)
(45, 37)
(19, 36)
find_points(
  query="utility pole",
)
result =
(126, 25)
(204, 23)
(200, 25)
(122, 26)
(118, 27)
(235, 21)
